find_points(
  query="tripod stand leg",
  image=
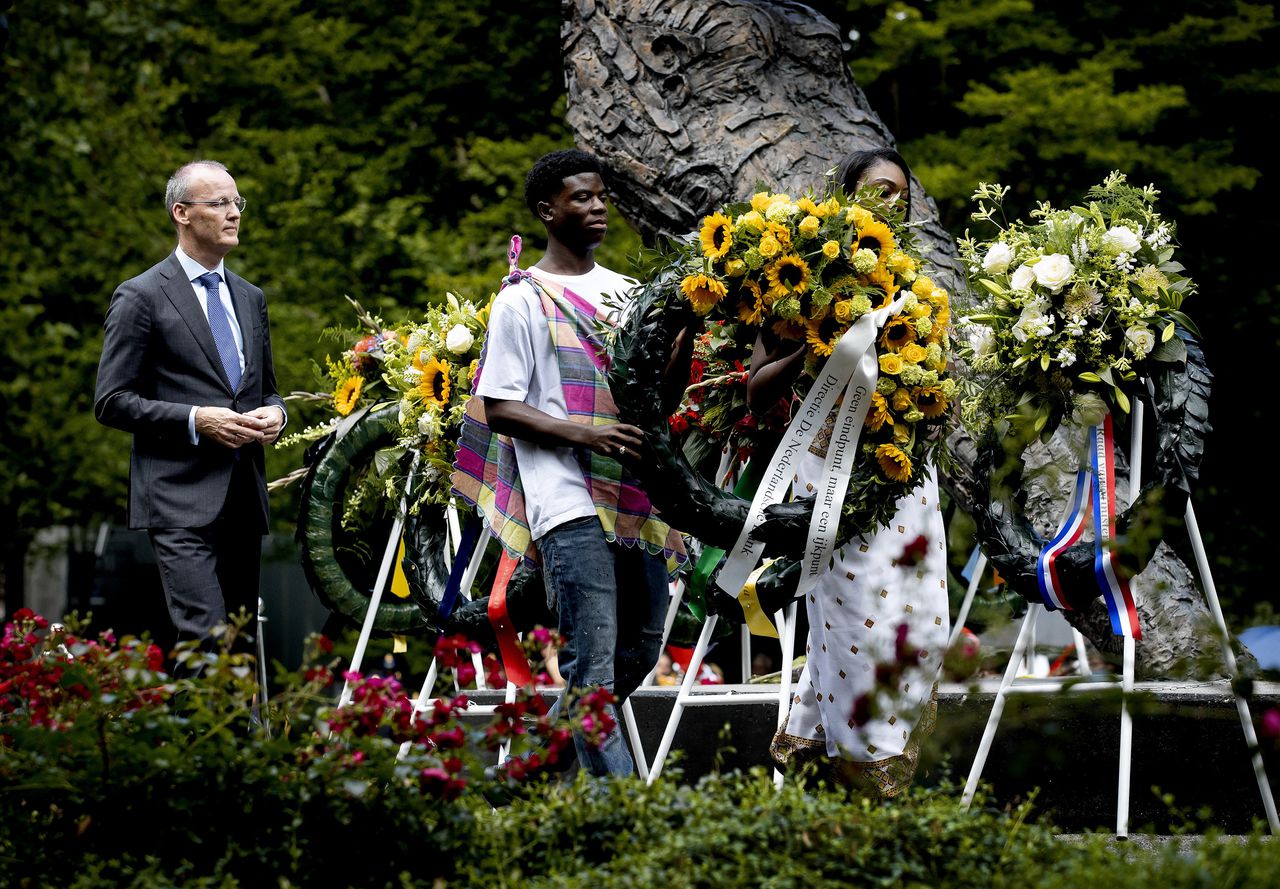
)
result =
(997, 708)
(1229, 659)
(690, 676)
(963, 614)
(788, 637)
(1126, 742)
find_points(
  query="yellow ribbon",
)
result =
(757, 621)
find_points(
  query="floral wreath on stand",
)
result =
(810, 270)
(1079, 310)
(398, 390)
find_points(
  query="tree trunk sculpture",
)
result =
(694, 103)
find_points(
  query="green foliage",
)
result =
(381, 146)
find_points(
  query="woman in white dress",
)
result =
(878, 620)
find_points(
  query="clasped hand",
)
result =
(234, 430)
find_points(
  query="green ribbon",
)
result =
(696, 595)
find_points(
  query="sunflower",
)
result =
(434, 386)
(751, 309)
(787, 275)
(347, 394)
(929, 401)
(897, 334)
(877, 236)
(716, 236)
(790, 329)
(878, 414)
(822, 334)
(884, 288)
(703, 291)
(895, 464)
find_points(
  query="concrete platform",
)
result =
(1187, 744)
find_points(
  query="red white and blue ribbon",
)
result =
(1114, 586)
(1068, 533)
(1097, 483)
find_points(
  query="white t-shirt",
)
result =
(520, 365)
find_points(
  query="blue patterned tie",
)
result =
(221, 327)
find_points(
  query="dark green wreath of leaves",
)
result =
(323, 495)
(1179, 399)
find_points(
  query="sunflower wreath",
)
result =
(1080, 312)
(809, 270)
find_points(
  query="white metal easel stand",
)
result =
(1012, 684)
(692, 695)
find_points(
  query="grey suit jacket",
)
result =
(158, 361)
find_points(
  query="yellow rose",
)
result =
(891, 363)
(922, 287)
(769, 247)
(807, 205)
(829, 207)
(859, 216)
(809, 226)
(760, 201)
(901, 400)
(921, 310)
(844, 310)
(913, 352)
(831, 249)
(735, 268)
(752, 220)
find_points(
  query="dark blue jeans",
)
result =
(611, 600)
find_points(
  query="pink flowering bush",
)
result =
(106, 758)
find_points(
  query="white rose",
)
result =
(459, 339)
(1053, 272)
(1120, 239)
(1022, 278)
(1088, 409)
(997, 259)
(1141, 341)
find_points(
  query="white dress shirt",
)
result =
(194, 270)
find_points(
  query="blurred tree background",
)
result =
(382, 147)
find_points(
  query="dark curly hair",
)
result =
(850, 170)
(549, 172)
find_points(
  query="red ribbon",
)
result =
(513, 659)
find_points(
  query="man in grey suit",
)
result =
(186, 368)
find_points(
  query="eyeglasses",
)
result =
(221, 203)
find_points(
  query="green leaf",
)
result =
(1044, 362)
(1183, 321)
(1168, 332)
(1121, 399)
(1090, 377)
(1171, 351)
